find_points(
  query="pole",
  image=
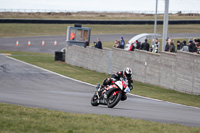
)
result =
(155, 25)
(165, 25)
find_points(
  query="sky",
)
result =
(103, 5)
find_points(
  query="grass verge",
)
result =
(12, 30)
(47, 61)
(24, 119)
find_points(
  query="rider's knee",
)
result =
(106, 82)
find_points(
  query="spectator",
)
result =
(191, 46)
(196, 42)
(145, 46)
(171, 45)
(167, 46)
(122, 44)
(185, 47)
(198, 48)
(98, 44)
(155, 46)
(86, 43)
(138, 45)
(132, 47)
(117, 44)
(72, 36)
(189, 40)
(179, 45)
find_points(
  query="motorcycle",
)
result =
(110, 95)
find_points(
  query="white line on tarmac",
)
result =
(95, 85)
(50, 71)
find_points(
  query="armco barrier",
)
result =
(112, 22)
(177, 71)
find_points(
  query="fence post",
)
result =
(110, 62)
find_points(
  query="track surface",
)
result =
(23, 84)
(36, 42)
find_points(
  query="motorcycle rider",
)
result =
(126, 73)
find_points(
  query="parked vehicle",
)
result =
(141, 38)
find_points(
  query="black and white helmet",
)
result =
(127, 72)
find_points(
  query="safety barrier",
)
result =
(178, 71)
(111, 22)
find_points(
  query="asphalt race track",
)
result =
(36, 42)
(24, 84)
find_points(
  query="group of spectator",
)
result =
(193, 46)
(97, 44)
(119, 44)
(138, 45)
(169, 46)
(145, 46)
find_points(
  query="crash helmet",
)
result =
(127, 72)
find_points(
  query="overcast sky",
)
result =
(101, 5)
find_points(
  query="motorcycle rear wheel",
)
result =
(94, 100)
(114, 99)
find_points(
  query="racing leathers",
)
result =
(116, 77)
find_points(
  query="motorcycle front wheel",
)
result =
(113, 99)
(94, 100)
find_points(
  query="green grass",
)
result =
(20, 119)
(24, 119)
(47, 61)
(8, 30)
(13, 30)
